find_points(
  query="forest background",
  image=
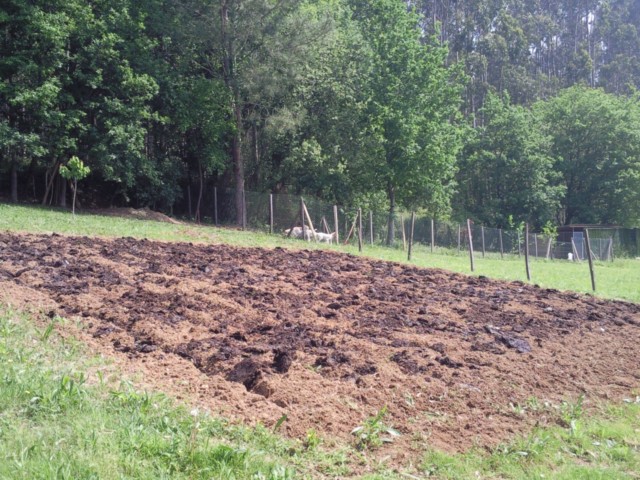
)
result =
(503, 111)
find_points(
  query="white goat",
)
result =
(296, 232)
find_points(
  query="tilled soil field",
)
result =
(328, 339)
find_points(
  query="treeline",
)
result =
(506, 111)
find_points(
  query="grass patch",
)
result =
(57, 422)
(619, 279)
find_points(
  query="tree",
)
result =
(74, 170)
(506, 172)
(263, 47)
(412, 107)
(596, 141)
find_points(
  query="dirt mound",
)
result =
(140, 214)
(329, 339)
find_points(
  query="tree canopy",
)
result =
(495, 109)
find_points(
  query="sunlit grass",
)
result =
(619, 279)
(58, 421)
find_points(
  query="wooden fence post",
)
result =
(610, 249)
(576, 257)
(519, 242)
(336, 224)
(526, 250)
(501, 246)
(593, 276)
(271, 213)
(360, 230)
(304, 224)
(548, 247)
(215, 205)
(470, 242)
(459, 235)
(482, 233)
(311, 227)
(535, 242)
(371, 226)
(413, 222)
(404, 235)
(433, 235)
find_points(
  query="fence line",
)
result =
(274, 213)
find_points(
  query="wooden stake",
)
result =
(404, 235)
(413, 222)
(353, 226)
(360, 230)
(526, 250)
(519, 242)
(371, 226)
(576, 257)
(313, 231)
(501, 247)
(482, 233)
(325, 226)
(433, 234)
(593, 276)
(470, 242)
(271, 213)
(335, 221)
(215, 205)
(459, 237)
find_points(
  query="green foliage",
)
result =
(75, 169)
(595, 138)
(506, 171)
(373, 433)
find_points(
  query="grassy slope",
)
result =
(620, 279)
(58, 421)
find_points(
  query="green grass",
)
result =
(604, 447)
(58, 421)
(64, 414)
(620, 279)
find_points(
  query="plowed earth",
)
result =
(330, 338)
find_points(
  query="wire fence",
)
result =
(276, 213)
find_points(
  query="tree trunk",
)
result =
(51, 175)
(391, 230)
(62, 192)
(238, 167)
(14, 182)
(75, 191)
(201, 180)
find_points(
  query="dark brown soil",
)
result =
(329, 339)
